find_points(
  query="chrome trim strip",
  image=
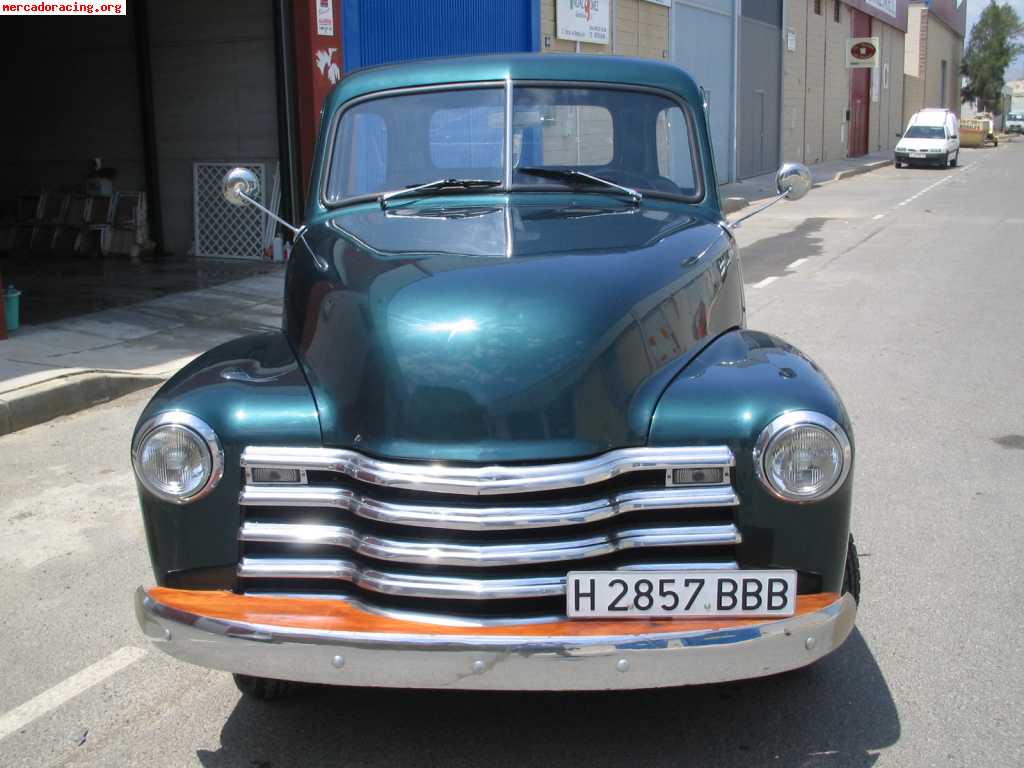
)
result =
(488, 480)
(425, 585)
(198, 427)
(488, 662)
(488, 555)
(492, 517)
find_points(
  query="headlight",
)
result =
(177, 457)
(802, 456)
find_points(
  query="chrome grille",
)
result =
(493, 540)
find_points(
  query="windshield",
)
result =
(1015, 116)
(636, 139)
(925, 132)
(633, 138)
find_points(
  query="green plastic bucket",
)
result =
(12, 308)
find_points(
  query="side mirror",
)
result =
(793, 181)
(240, 183)
(241, 187)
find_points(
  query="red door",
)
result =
(860, 90)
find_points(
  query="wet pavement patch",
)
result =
(59, 287)
(1010, 441)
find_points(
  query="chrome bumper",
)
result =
(496, 663)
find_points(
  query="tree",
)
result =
(995, 42)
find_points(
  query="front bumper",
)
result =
(929, 159)
(306, 644)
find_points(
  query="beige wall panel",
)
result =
(794, 74)
(913, 96)
(814, 111)
(944, 45)
(912, 47)
(837, 84)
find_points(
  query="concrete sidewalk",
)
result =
(740, 194)
(57, 368)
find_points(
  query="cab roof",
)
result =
(527, 66)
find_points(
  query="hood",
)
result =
(503, 332)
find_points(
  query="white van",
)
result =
(932, 138)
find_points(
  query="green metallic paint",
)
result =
(540, 328)
(266, 399)
(728, 395)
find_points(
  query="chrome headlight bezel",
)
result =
(786, 423)
(196, 428)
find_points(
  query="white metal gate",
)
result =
(222, 229)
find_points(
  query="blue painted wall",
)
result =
(383, 31)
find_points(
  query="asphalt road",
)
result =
(904, 284)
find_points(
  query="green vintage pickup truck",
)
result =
(514, 432)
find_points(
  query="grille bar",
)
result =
(429, 585)
(492, 555)
(488, 480)
(478, 518)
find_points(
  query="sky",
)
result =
(974, 8)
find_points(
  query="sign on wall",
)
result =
(861, 52)
(584, 21)
(325, 18)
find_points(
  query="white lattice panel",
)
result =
(223, 229)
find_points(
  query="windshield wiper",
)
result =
(578, 176)
(439, 184)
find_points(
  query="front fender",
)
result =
(250, 390)
(727, 395)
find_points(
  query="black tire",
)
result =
(956, 159)
(263, 688)
(898, 164)
(851, 576)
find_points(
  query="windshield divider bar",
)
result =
(508, 135)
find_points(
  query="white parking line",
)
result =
(763, 283)
(877, 216)
(795, 264)
(62, 692)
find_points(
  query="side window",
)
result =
(467, 137)
(672, 137)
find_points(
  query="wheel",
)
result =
(956, 159)
(851, 576)
(949, 160)
(263, 688)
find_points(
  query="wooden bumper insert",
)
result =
(340, 616)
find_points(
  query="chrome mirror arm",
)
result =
(792, 182)
(769, 204)
(297, 231)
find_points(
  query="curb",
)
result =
(851, 172)
(68, 394)
(742, 202)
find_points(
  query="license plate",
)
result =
(918, 155)
(646, 594)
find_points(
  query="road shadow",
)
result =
(838, 712)
(770, 255)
